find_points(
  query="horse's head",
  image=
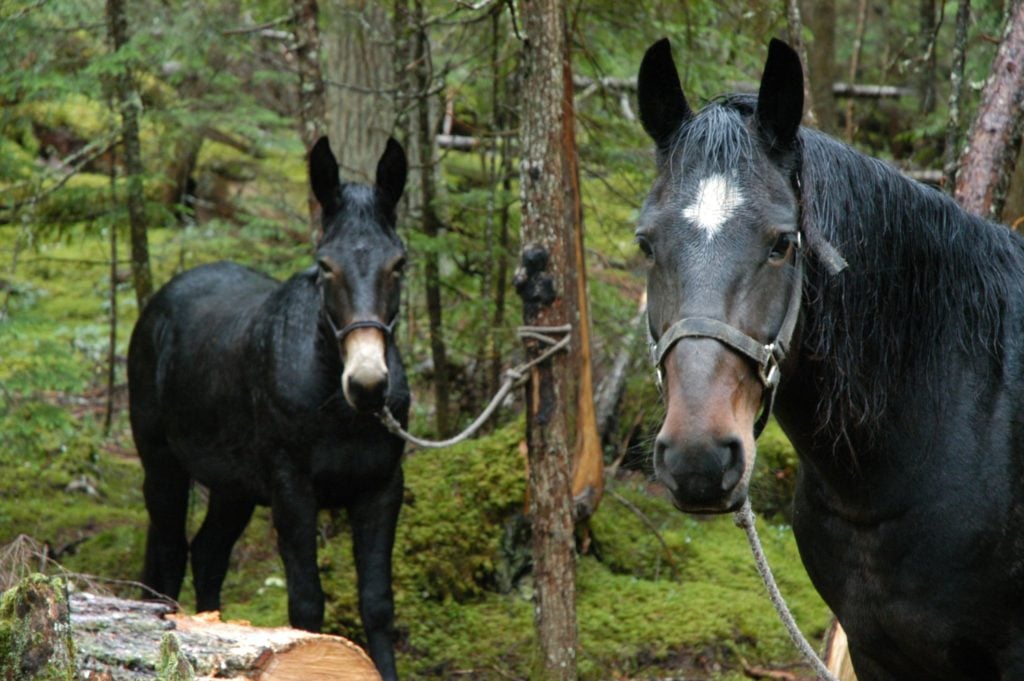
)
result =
(721, 233)
(361, 260)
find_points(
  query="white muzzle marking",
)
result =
(365, 359)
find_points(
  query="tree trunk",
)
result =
(312, 103)
(858, 42)
(129, 640)
(545, 282)
(820, 17)
(35, 636)
(359, 74)
(987, 164)
(796, 26)
(130, 105)
(956, 92)
(928, 63)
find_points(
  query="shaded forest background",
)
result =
(221, 96)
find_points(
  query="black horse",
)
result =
(265, 393)
(902, 386)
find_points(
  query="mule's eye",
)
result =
(326, 271)
(398, 270)
(783, 246)
(645, 246)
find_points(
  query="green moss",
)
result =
(32, 643)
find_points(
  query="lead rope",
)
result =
(744, 518)
(514, 378)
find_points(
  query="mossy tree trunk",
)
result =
(312, 105)
(35, 631)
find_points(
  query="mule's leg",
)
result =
(373, 523)
(294, 511)
(226, 519)
(165, 488)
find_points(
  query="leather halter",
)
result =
(388, 329)
(766, 356)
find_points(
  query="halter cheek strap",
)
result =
(766, 356)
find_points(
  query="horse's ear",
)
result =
(663, 106)
(391, 172)
(780, 101)
(323, 175)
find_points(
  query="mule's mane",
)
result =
(925, 279)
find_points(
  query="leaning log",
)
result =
(121, 639)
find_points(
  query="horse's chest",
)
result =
(343, 471)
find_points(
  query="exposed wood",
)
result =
(837, 653)
(987, 164)
(123, 638)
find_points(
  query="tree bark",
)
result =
(956, 92)
(35, 636)
(796, 41)
(928, 63)
(858, 42)
(820, 17)
(312, 102)
(547, 181)
(987, 164)
(130, 106)
(359, 74)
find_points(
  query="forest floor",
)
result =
(659, 594)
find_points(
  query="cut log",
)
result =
(120, 639)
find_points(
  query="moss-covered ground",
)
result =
(659, 593)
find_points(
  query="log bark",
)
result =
(987, 164)
(121, 639)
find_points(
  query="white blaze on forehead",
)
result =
(716, 200)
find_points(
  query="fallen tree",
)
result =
(103, 638)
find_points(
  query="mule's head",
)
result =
(719, 229)
(361, 260)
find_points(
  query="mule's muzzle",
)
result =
(364, 380)
(704, 476)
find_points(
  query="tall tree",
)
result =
(992, 145)
(820, 18)
(416, 81)
(130, 105)
(546, 282)
(312, 104)
(359, 74)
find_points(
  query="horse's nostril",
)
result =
(366, 393)
(731, 451)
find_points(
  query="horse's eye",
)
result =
(645, 246)
(782, 247)
(398, 271)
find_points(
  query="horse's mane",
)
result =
(924, 278)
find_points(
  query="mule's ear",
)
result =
(663, 106)
(391, 172)
(780, 101)
(323, 175)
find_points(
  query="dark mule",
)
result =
(902, 386)
(265, 393)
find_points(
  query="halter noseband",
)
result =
(339, 334)
(766, 356)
